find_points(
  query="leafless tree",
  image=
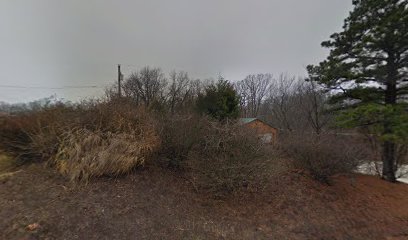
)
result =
(253, 91)
(196, 88)
(294, 104)
(179, 90)
(146, 86)
(243, 98)
(312, 101)
(282, 105)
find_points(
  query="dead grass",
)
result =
(91, 139)
(7, 167)
(157, 204)
(7, 163)
(84, 154)
(7, 175)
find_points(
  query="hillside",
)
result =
(156, 204)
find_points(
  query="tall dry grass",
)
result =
(85, 154)
(87, 140)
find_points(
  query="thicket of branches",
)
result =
(286, 102)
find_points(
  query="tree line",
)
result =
(286, 102)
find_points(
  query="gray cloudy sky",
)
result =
(49, 43)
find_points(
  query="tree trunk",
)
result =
(389, 146)
(388, 160)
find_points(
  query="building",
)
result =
(265, 131)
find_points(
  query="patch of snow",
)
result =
(374, 168)
(404, 180)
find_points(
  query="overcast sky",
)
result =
(56, 44)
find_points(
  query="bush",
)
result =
(322, 156)
(33, 136)
(229, 158)
(219, 158)
(179, 133)
(220, 101)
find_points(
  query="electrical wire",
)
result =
(62, 87)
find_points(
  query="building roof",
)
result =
(246, 120)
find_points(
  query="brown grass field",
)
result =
(37, 203)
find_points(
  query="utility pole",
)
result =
(119, 79)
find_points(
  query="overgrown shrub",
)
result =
(228, 158)
(322, 156)
(179, 134)
(219, 158)
(33, 136)
(13, 138)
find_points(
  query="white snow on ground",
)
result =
(375, 168)
(404, 180)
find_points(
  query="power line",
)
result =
(62, 87)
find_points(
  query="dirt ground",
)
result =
(37, 203)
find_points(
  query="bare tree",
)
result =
(282, 105)
(195, 88)
(146, 86)
(294, 104)
(253, 90)
(312, 101)
(179, 90)
(243, 98)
